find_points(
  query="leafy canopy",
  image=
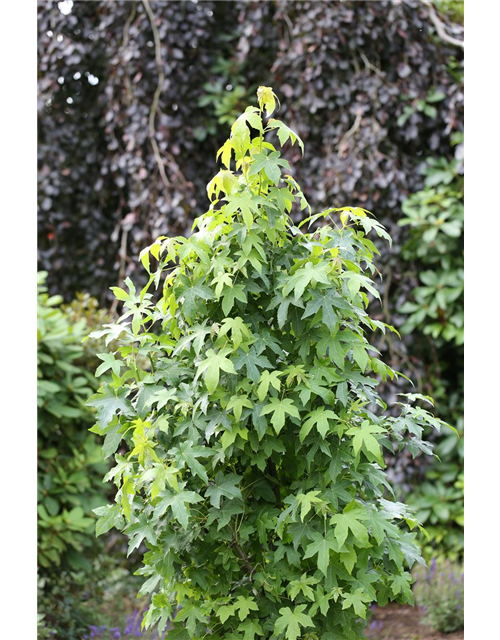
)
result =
(247, 406)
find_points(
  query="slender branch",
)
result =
(126, 27)
(372, 67)
(156, 99)
(243, 556)
(348, 134)
(125, 41)
(441, 31)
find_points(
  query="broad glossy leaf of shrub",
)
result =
(247, 415)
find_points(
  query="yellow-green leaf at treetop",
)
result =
(240, 133)
(285, 133)
(267, 99)
(225, 153)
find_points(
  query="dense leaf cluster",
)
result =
(244, 402)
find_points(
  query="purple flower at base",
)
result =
(116, 632)
(424, 609)
(129, 625)
(94, 631)
(376, 625)
(459, 607)
(433, 566)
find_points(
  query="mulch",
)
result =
(401, 622)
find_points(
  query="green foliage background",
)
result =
(70, 462)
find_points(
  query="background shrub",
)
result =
(70, 464)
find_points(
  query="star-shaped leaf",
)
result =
(308, 274)
(177, 503)
(280, 409)
(187, 454)
(319, 417)
(291, 621)
(321, 546)
(269, 164)
(350, 521)
(244, 605)
(224, 486)
(213, 364)
(191, 294)
(252, 362)
(108, 402)
(364, 440)
(358, 601)
(109, 362)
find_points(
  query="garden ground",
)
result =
(402, 622)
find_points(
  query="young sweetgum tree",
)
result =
(244, 406)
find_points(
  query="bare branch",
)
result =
(441, 31)
(348, 134)
(156, 98)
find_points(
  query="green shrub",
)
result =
(70, 463)
(440, 593)
(435, 216)
(246, 398)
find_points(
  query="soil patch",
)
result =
(402, 622)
